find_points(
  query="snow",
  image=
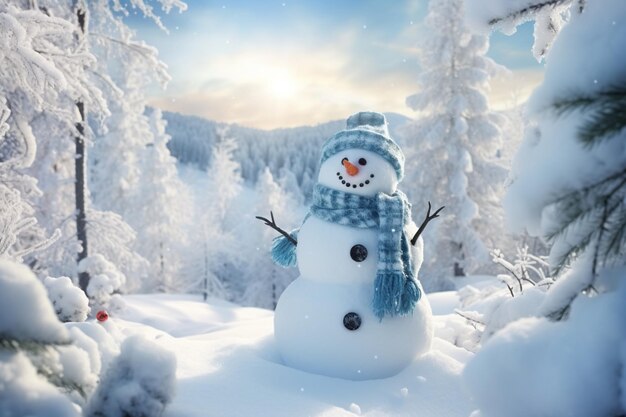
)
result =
(140, 382)
(24, 393)
(228, 365)
(567, 368)
(70, 303)
(443, 302)
(24, 307)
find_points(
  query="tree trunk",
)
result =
(205, 292)
(80, 187)
(81, 164)
(458, 269)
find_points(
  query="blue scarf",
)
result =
(395, 289)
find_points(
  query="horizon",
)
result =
(302, 65)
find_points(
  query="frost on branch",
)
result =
(506, 15)
(28, 69)
(147, 10)
(522, 293)
(15, 218)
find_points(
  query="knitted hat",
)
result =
(368, 131)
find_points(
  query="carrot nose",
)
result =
(351, 169)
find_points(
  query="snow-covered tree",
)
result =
(570, 191)
(568, 185)
(97, 81)
(39, 74)
(105, 283)
(266, 280)
(454, 143)
(214, 248)
(162, 210)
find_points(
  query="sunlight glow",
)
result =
(282, 86)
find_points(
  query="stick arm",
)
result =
(272, 223)
(428, 218)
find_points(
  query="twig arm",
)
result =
(272, 223)
(428, 218)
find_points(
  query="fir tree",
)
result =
(454, 144)
(568, 180)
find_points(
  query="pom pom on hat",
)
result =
(368, 131)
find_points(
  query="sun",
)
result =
(282, 86)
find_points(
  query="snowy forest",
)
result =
(138, 277)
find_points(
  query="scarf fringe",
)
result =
(284, 251)
(394, 294)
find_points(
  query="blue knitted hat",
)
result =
(368, 131)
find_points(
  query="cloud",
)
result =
(302, 69)
(268, 90)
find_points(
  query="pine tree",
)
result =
(454, 143)
(162, 210)
(214, 248)
(578, 205)
(266, 280)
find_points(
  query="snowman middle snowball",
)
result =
(357, 310)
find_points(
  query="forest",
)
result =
(137, 280)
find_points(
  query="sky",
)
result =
(284, 63)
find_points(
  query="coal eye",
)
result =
(343, 160)
(362, 161)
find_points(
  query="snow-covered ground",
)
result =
(228, 365)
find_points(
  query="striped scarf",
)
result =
(395, 289)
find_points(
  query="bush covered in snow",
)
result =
(23, 392)
(105, 282)
(139, 383)
(491, 304)
(70, 302)
(42, 373)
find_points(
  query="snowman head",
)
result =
(363, 159)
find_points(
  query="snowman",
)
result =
(357, 311)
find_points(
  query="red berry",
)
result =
(102, 315)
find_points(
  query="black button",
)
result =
(352, 321)
(358, 253)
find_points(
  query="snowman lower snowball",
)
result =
(357, 311)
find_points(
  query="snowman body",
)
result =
(324, 322)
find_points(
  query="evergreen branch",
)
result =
(607, 113)
(528, 11)
(64, 385)
(12, 344)
(616, 235)
(600, 209)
